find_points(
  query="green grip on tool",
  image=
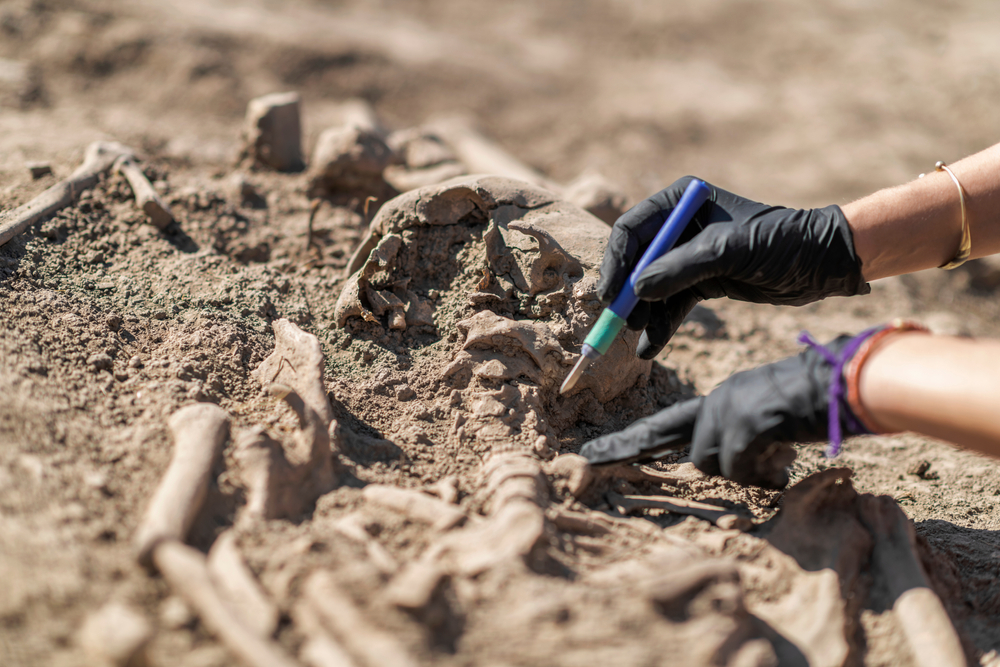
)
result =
(605, 331)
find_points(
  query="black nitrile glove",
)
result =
(741, 429)
(733, 247)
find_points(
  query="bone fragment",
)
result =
(352, 526)
(312, 438)
(720, 517)
(283, 481)
(187, 572)
(553, 260)
(483, 156)
(413, 587)
(238, 586)
(98, 159)
(513, 491)
(680, 475)
(116, 636)
(348, 159)
(415, 505)
(359, 113)
(574, 470)
(146, 197)
(273, 131)
(579, 522)
(199, 432)
(339, 614)
(928, 629)
(322, 651)
(297, 361)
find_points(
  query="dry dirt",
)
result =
(108, 326)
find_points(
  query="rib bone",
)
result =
(338, 613)
(416, 505)
(186, 570)
(237, 585)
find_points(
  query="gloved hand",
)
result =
(734, 247)
(743, 428)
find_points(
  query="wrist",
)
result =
(859, 386)
(927, 208)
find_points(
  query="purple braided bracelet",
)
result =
(837, 390)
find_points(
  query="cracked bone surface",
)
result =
(518, 267)
(297, 361)
(282, 480)
(98, 159)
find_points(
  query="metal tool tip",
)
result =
(574, 375)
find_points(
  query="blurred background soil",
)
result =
(791, 103)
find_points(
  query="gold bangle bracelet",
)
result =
(965, 247)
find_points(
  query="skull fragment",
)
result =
(491, 283)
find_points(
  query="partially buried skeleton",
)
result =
(490, 283)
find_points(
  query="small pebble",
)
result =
(405, 393)
(39, 169)
(135, 362)
(114, 321)
(159, 315)
(96, 480)
(921, 469)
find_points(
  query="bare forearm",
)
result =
(918, 225)
(944, 387)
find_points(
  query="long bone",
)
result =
(186, 570)
(146, 197)
(719, 516)
(925, 623)
(238, 586)
(283, 481)
(338, 613)
(199, 432)
(98, 159)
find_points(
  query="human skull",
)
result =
(496, 279)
